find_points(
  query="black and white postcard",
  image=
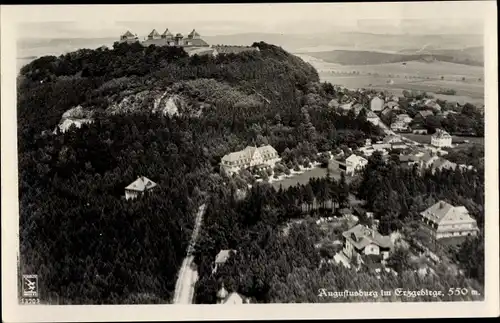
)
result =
(301, 160)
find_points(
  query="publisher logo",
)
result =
(30, 286)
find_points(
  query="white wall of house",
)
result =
(130, 194)
(441, 142)
(348, 249)
(372, 249)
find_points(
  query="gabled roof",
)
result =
(386, 111)
(234, 299)
(154, 33)
(223, 256)
(167, 33)
(445, 212)
(370, 114)
(441, 163)
(356, 159)
(333, 103)
(141, 184)
(426, 113)
(392, 104)
(248, 153)
(193, 34)
(441, 134)
(361, 236)
(128, 34)
(346, 106)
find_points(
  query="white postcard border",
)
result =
(13, 312)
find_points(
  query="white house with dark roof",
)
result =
(138, 187)
(441, 139)
(265, 156)
(354, 164)
(445, 220)
(361, 240)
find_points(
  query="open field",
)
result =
(304, 178)
(466, 80)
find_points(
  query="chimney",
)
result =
(441, 204)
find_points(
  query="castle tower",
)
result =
(153, 34)
(194, 35)
(222, 295)
(178, 39)
(167, 35)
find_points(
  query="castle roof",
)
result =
(167, 33)
(128, 34)
(154, 33)
(193, 34)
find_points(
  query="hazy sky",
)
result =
(216, 19)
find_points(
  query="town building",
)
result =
(441, 139)
(138, 187)
(399, 145)
(442, 164)
(404, 118)
(354, 164)
(444, 220)
(226, 298)
(419, 130)
(425, 113)
(344, 108)
(362, 241)
(376, 104)
(423, 160)
(222, 257)
(399, 126)
(391, 105)
(386, 112)
(333, 104)
(263, 157)
(432, 104)
(372, 117)
(391, 139)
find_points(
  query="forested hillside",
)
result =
(84, 240)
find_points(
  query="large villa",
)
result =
(261, 157)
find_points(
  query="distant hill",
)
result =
(354, 40)
(354, 57)
(461, 56)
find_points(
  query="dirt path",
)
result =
(188, 275)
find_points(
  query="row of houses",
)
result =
(442, 220)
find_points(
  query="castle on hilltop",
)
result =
(193, 43)
(167, 39)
